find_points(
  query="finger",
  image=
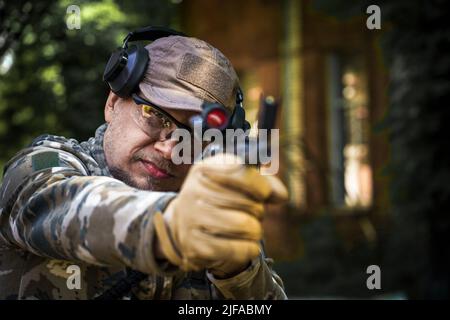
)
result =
(210, 248)
(279, 192)
(227, 172)
(248, 181)
(224, 198)
(230, 224)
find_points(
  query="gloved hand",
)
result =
(215, 221)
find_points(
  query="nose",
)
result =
(165, 147)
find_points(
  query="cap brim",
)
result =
(170, 98)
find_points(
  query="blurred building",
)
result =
(329, 78)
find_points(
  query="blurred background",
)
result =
(362, 125)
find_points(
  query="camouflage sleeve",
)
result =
(257, 282)
(51, 208)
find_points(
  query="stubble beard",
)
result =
(150, 184)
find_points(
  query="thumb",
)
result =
(279, 192)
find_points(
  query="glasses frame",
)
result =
(141, 101)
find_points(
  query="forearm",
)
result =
(98, 220)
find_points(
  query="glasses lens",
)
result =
(152, 121)
(156, 118)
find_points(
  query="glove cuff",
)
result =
(165, 240)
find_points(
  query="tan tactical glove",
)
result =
(215, 221)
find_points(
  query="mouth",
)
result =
(155, 171)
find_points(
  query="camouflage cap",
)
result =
(184, 72)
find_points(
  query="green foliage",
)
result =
(55, 82)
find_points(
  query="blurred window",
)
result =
(348, 131)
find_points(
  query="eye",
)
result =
(166, 123)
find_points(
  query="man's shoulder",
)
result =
(58, 143)
(49, 154)
(47, 151)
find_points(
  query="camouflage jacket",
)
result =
(68, 230)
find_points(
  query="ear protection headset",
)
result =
(127, 65)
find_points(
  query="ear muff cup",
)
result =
(125, 69)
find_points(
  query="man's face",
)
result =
(140, 159)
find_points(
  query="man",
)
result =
(114, 217)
